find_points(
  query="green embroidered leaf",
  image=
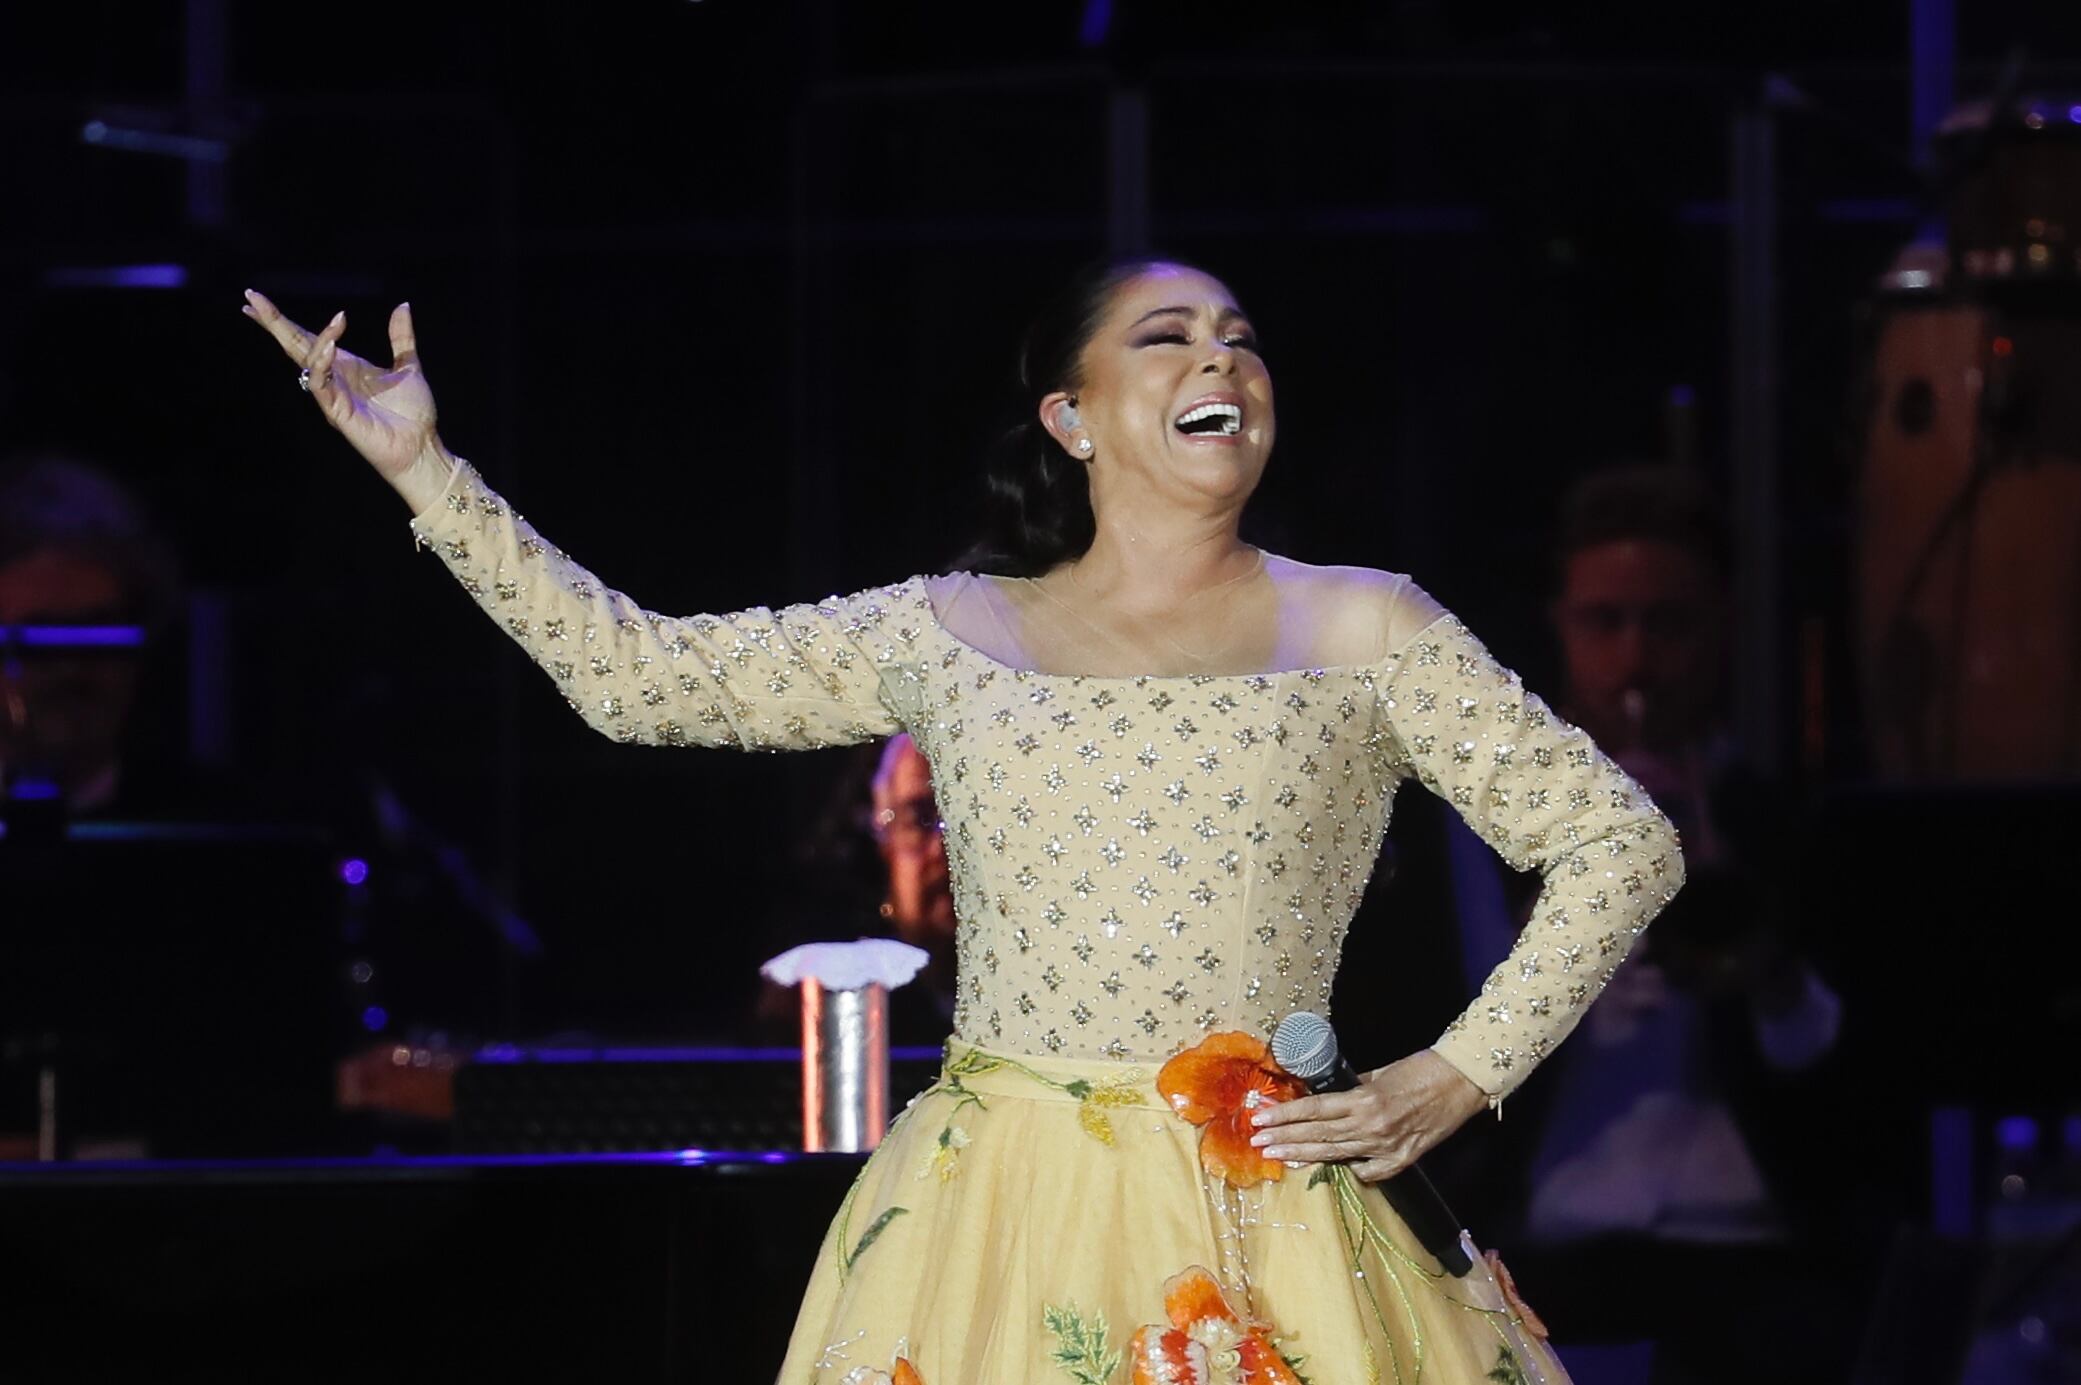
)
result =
(881, 1224)
(973, 1064)
(1080, 1347)
(1321, 1174)
(1507, 1371)
(1078, 1088)
(845, 1218)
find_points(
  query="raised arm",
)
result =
(1541, 793)
(807, 675)
(832, 673)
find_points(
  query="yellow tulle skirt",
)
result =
(1037, 1219)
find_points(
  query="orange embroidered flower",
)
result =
(1216, 1085)
(905, 1374)
(1509, 1286)
(1206, 1343)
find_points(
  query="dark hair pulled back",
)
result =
(1655, 502)
(1036, 505)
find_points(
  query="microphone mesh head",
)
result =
(1306, 1046)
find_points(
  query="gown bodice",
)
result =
(1140, 860)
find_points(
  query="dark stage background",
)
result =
(723, 296)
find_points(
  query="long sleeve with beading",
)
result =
(829, 673)
(1545, 797)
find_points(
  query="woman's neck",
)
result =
(1143, 571)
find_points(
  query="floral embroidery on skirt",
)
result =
(1031, 1218)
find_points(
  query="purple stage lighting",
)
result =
(2017, 1134)
(1098, 18)
(121, 276)
(73, 636)
(374, 1018)
(354, 871)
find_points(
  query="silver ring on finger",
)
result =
(303, 380)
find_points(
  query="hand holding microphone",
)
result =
(1379, 1124)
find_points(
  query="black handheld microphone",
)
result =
(1306, 1046)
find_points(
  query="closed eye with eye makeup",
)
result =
(1174, 325)
(1242, 341)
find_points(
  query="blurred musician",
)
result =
(1671, 1142)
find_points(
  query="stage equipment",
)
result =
(845, 1035)
(543, 1100)
(845, 1066)
(655, 1268)
(1967, 574)
(177, 987)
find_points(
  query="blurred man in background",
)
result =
(1678, 1145)
(78, 560)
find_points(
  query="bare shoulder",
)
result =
(1361, 608)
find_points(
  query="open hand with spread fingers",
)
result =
(1395, 1116)
(387, 415)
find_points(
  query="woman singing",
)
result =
(1165, 760)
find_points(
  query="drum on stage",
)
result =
(1967, 581)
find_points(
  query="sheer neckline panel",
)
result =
(1400, 609)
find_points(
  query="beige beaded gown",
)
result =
(1150, 868)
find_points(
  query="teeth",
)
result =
(1231, 417)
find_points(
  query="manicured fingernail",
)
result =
(1275, 1154)
(1258, 1119)
(1262, 1137)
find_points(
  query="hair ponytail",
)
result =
(1036, 499)
(1036, 505)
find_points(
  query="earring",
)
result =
(1083, 444)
